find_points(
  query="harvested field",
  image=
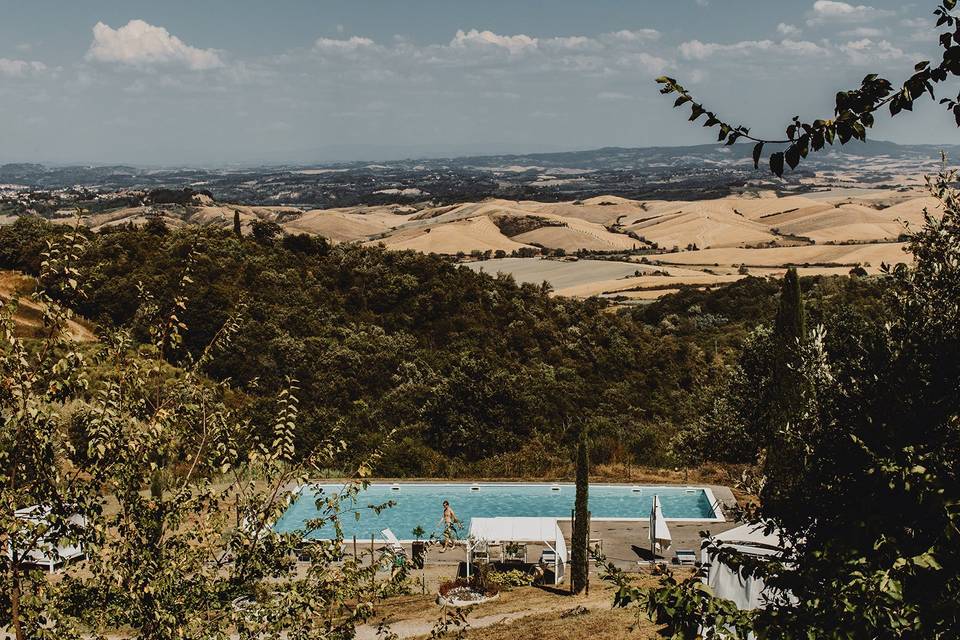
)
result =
(871, 256)
(564, 275)
(478, 233)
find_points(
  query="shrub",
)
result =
(512, 578)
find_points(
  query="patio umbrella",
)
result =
(659, 533)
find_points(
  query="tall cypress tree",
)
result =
(786, 407)
(581, 526)
(789, 334)
(791, 324)
(236, 223)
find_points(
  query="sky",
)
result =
(215, 82)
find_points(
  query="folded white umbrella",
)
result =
(659, 532)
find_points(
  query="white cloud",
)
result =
(867, 51)
(569, 42)
(917, 23)
(648, 62)
(803, 48)
(635, 35)
(862, 32)
(697, 50)
(787, 30)
(832, 11)
(20, 68)
(487, 39)
(139, 43)
(351, 44)
(921, 29)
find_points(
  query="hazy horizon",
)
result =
(360, 153)
(236, 82)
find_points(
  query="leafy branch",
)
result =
(854, 110)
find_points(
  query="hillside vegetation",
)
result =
(463, 373)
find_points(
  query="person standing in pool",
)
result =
(450, 523)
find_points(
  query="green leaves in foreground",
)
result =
(858, 435)
(172, 495)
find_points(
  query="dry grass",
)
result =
(593, 625)
(619, 472)
(530, 612)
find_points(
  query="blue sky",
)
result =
(243, 81)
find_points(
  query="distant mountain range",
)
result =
(619, 157)
(606, 158)
(691, 172)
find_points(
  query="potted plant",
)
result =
(516, 552)
(419, 547)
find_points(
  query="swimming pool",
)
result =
(420, 504)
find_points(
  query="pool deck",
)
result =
(625, 543)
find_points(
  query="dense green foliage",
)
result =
(170, 495)
(475, 374)
(787, 389)
(861, 471)
(183, 196)
(862, 451)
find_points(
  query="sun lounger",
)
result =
(393, 545)
(686, 557)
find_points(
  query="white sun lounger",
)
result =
(393, 545)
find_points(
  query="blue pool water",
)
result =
(421, 504)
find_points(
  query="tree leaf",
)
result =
(776, 164)
(757, 152)
(793, 156)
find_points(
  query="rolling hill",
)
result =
(695, 242)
